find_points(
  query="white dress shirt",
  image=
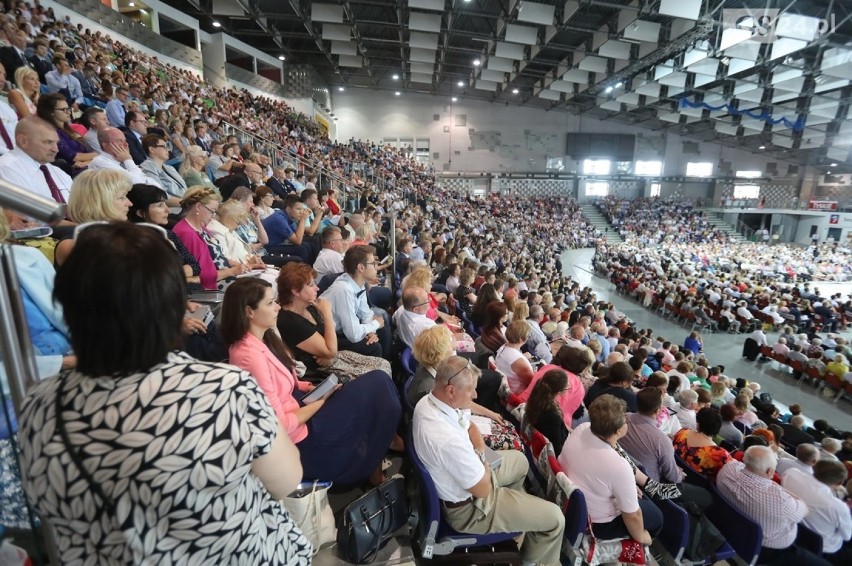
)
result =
(827, 515)
(107, 161)
(328, 261)
(353, 317)
(410, 324)
(10, 120)
(20, 169)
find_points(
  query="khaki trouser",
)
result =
(508, 509)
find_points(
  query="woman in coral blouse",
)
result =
(342, 438)
(697, 448)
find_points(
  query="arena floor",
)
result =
(721, 348)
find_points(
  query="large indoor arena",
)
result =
(426, 282)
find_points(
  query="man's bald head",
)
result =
(37, 138)
(414, 297)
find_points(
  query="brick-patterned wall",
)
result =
(537, 187)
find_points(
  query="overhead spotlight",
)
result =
(281, 58)
(608, 89)
(834, 164)
(132, 4)
(395, 77)
(476, 62)
(515, 91)
(619, 84)
(762, 147)
(397, 93)
(460, 83)
(455, 99)
(340, 89)
(216, 24)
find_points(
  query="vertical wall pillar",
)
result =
(214, 61)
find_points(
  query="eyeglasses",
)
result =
(210, 210)
(467, 366)
(371, 263)
(160, 146)
(421, 304)
(66, 109)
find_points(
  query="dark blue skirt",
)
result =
(350, 434)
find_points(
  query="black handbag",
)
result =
(369, 521)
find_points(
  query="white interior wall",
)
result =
(366, 114)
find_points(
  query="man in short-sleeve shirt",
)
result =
(474, 498)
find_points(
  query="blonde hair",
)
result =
(198, 194)
(431, 345)
(466, 276)
(22, 73)
(364, 232)
(420, 277)
(233, 209)
(191, 152)
(717, 389)
(521, 311)
(93, 195)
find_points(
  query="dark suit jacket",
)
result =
(227, 185)
(42, 67)
(279, 188)
(134, 145)
(794, 437)
(12, 61)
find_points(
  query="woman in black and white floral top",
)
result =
(143, 454)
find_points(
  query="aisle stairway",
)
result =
(716, 221)
(600, 222)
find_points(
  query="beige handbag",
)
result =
(309, 508)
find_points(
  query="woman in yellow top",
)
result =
(838, 366)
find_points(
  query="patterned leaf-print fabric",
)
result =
(172, 449)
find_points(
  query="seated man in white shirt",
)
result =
(806, 456)
(828, 516)
(475, 498)
(116, 155)
(330, 259)
(411, 319)
(685, 409)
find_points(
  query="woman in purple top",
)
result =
(54, 109)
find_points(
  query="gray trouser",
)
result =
(508, 509)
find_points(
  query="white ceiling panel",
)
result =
(783, 96)
(641, 30)
(500, 64)
(674, 79)
(673, 117)
(350, 61)
(755, 95)
(331, 13)
(646, 48)
(663, 70)
(485, 85)
(576, 76)
(649, 89)
(727, 129)
(489, 75)
(732, 37)
(593, 64)
(689, 9)
(535, 13)
(436, 5)
(837, 154)
(422, 21)
(510, 50)
(829, 83)
(705, 67)
(562, 86)
(613, 105)
(693, 56)
(784, 46)
(783, 73)
(680, 27)
(794, 26)
(693, 112)
(615, 49)
(837, 62)
(422, 55)
(744, 86)
(344, 48)
(423, 40)
(336, 32)
(629, 98)
(811, 141)
(549, 95)
(783, 141)
(752, 124)
(794, 85)
(425, 68)
(739, 65)
(424, 78)
(521, 34)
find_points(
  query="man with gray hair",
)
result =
(806, 456)
(537, 341)
(748, 487)
(476, 498)
(685, 409)
(829, 516)
(828, 448)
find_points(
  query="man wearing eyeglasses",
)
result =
(116, 155)
(411, 319)
(474, 497)
(135, 126)
(359, 328)
(330, 259)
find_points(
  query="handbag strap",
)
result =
(378, 533)
(108, 505)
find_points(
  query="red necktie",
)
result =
(54, 190)
(6, 139)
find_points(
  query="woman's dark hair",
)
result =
(123, 293)
(47, 107)
(293, 276)
(543, 396)
(619, 373)
(142, 196)
(234, 324)
(709, 421)
(674, 385)
(575, 360)
(753, 440)
(486, 295)
(656, 379)
(606, 415)
(728, 412)
(494, 312)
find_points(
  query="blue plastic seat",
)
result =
(809, 540)
(437, 538)
(743, 534)
(576, 519)
(409, 408)
(409, 364)
(676, 535)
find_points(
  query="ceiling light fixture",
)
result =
(395, 77)
(608, 89)
(340, 88)
(476, 62)
(132, 4)
(281, 58)
(454, 99)
(619, 84)
(460, 83)
(397, 93)
(515, 91)
(216, 24)
(834, 164)
(762, 147)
